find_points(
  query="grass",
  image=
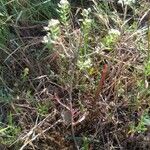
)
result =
(74, 77)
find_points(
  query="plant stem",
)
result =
(148, 38)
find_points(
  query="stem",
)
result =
(148, 38)
(72, 68)
(72, 127)
(101, 82)
(125, 13)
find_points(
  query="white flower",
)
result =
(45, 39)
(64, 2)
(115, 31)
(126, 2)
(84, 64)
(53, 22)
(46, 28)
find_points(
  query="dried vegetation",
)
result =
(86, 87)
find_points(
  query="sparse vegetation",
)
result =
(74, 75)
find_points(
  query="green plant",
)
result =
(54, 28)
(86, 24)
(84, 64)
(60, 33)
(42, 109)
(110, 40)
(9, 133)
(85, 144)
(147, 68)
(53, 33)
(142, 125)
(64, 12)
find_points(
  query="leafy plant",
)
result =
(143, 124)
(10, 132)
(110, 40)
(84, 65)
(64, 12)
(85, 28)
(42, 109)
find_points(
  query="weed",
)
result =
(111, 39)
(9, 133)
(42, 109)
